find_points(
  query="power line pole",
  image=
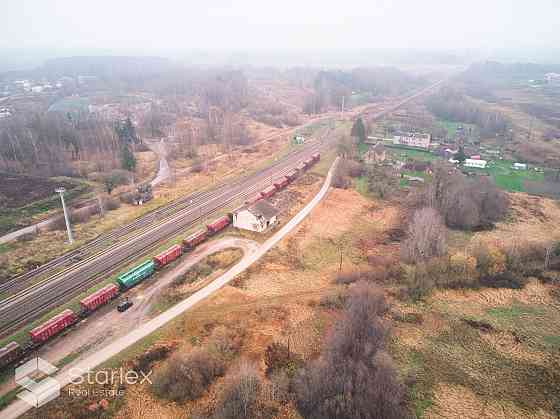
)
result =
(342, 108)
(61, 191)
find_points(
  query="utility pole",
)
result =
(342, 108)
(61, 191)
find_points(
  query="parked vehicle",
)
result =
(99, 298)
(316, 157)
(218, 225)
(124, 305)
(168, 256)
(195, 239)
(53, 326)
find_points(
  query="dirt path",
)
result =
(99, 356)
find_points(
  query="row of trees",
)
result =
(451, 105)
(330, 87)
(47, 144)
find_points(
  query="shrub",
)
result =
(111, 204)
(333, 301)
(186, 377)
(226, 341)
(354, 377)
(242, 396)
(276, 357)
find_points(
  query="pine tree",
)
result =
(127, 158)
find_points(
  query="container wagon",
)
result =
(218, 225)
(168, 256)
(99, 298)
(194, 239)
(136, 275)
(301, 168)
(292, 175)
(268, 192)
(10, 353)
(53, 326)
(308, 163)
(282, 183)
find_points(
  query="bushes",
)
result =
(426, 237)
(462, 202)
(242, 396)
(186, 377)
(354, 377)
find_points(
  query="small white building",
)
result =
(413, 139)
(519, 166)
(479, 164)
(256, 217)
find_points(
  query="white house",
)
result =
(479, 164)
(256, 217)
(413, 139)
(519, 166)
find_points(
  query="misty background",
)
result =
(282, 33)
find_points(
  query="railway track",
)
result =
(20, 282)
(50, 292)
(89, 264)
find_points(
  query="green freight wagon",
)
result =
(136, 274)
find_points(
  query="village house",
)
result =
(413, 139)
(256, 217)
(376, 154)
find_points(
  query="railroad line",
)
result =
(55, 290)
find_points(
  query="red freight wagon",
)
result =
(194, 239)
(10, 353)
(292, 175)
(218, 225)
(268, 192)
(53, 326)
(308, 163)
(316, 157)
(282, 183)
(99, 297)
(168, 256)
(254, 199)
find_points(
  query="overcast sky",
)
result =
(297, 24)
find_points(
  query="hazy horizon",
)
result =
(257, 25)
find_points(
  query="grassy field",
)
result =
(404, 153)
(507, 178)
(451, 127)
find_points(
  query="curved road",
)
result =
(18, 408)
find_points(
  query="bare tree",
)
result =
(426, 236)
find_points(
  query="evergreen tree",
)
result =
(128, 160)
(359, 130)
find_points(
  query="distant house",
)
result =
(479, 164)
(256, 217)
(519, 166)
(413, 139)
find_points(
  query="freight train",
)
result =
(14, 352)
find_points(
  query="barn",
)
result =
(256, 217)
